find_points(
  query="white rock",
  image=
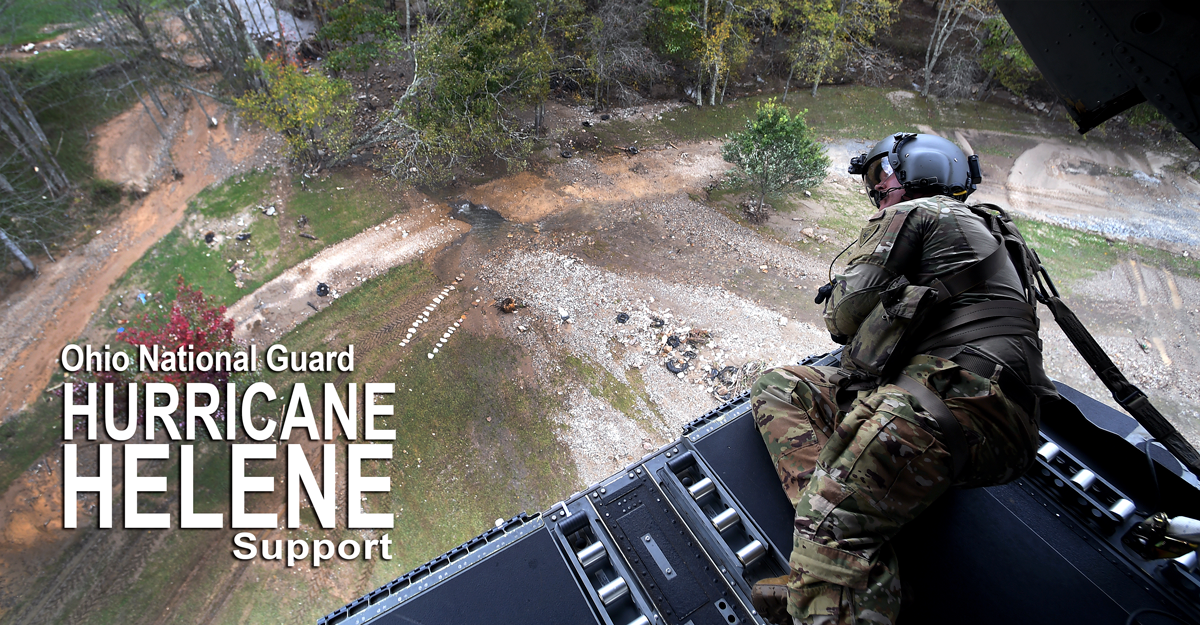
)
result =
(783, 321)
(446, 335)
(435, 350)
(430, 356)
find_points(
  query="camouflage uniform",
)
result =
(856, 476)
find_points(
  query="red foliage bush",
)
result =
(193, 323)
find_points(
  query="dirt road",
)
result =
(47, 312)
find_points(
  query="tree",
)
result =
(614, 42)
(829, 29)
(360, 31)
(477, 63)
(949, 15)
(313, 112)
(23, 132)
(776, 151)
(1004, 58)
(193, 323)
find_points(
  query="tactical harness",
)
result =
(914, 324)
(911, 312)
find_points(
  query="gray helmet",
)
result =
(922, 163)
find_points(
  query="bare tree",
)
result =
(22, 130)
(617, 53)
(949, 16)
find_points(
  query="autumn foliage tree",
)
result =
(194, 323)
(313, 112)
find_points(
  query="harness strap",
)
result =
(951, 430)
(974, 274)
(1011, 384)
(982, 320)
(986, 310)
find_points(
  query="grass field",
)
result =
(836, 113)
(36, 20)
(274, 245)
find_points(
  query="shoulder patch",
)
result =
(868, 233)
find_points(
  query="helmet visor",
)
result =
(876, 171)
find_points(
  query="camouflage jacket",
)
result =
(927, 239)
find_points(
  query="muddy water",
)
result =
(485, 221)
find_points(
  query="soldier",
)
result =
(939, 384)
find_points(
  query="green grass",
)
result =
(28, 436)
(29, 18)
(624, 397)
(1072, 255)
(836, 113)
(274, 245)
(68, 98)
(233, 195)
(340, 206)
(473, 441)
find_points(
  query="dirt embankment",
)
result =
(47, 312)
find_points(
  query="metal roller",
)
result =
(641, 620)
(1048, 452)
(1084, 479)
(701, 489)
(727, 519)
(613, 590)
(1123, 508)
(751, 553)
(592, 554)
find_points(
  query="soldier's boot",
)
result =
(769, 597)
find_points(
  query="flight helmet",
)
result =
(925, 164)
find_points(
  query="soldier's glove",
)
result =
(769, 597)
(823, 293)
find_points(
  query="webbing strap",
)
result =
(974, 274)
(985, 310)
(1007, 326)
(1126, 393)
(952, 433)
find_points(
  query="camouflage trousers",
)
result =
(857, 477)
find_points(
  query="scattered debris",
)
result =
(313, 306)
(243, 236)
(269, 211)
(509, 305)
(605, 117)
(308, 236)
(564, 315)
(566, 154)
(677, 365)
(209, 237)
(302, 221)
(322, 289)
(622, 317)
(587, 124)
